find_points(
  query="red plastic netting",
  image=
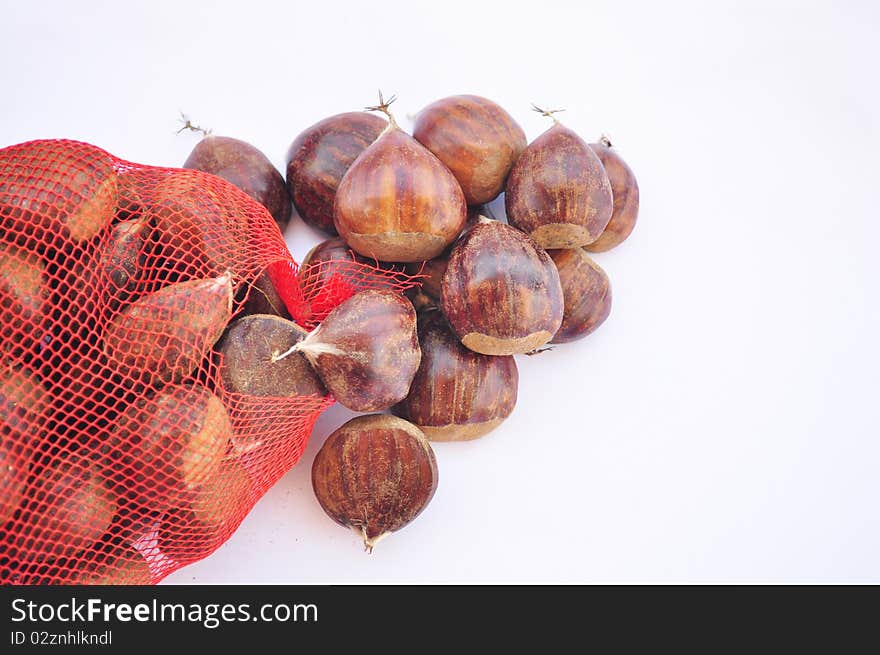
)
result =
(122, 456)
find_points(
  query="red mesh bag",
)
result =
(117, 462)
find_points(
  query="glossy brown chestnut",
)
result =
(558, 191)
(587, 294)
(319, 158)
(328, 258)
(374, 475)
(501, 292)
(625, 191)
(245, 166)
(122, 260)
(248, 349)
(457, 394)
(398, 202)
(476, 139)
(197, 233)
(366, 351)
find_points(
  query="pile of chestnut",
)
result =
(441, 358)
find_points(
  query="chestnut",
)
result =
(69, 507)
(13, 477)
(24, 295)
(624, 190)
(56, 191)
(114, 565)
(247, 365)
(366, 351)
(167, 444)
(374, 475)
(558, 191)
(194, 530)
(246, 167)
(457, 394)
(398, 202)
(586, 291)
(319, 158)
(24, 405)
(122, 260)
(475, 138)
(263, 298)
(328, 258)
(501, 292)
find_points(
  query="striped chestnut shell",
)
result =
(501, 292)
(374, 475)
(476, 139)
(457, 394)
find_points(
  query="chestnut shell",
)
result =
(375, 474)
(587, 293)
(457, 394)
(319, 158)
(245, 166)
(625, 191)
(475, 138)
(398, 202)
(367, 350)
(558, 191)
(501, 292)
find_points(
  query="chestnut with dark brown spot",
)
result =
(501, 292)
(319, 158)
(123, 259)
(398, 202)
(558, 191)
(476, 139)
(245, 166)
(625, 191)
(374, 475)
(587, 293)
(457, 394)
(367, 350)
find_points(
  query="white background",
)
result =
(723, 424)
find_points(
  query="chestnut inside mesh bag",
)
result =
(118, 457)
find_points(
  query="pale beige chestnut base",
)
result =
(559, 236)
(405, 247)
(460, 431)
(489, 345)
